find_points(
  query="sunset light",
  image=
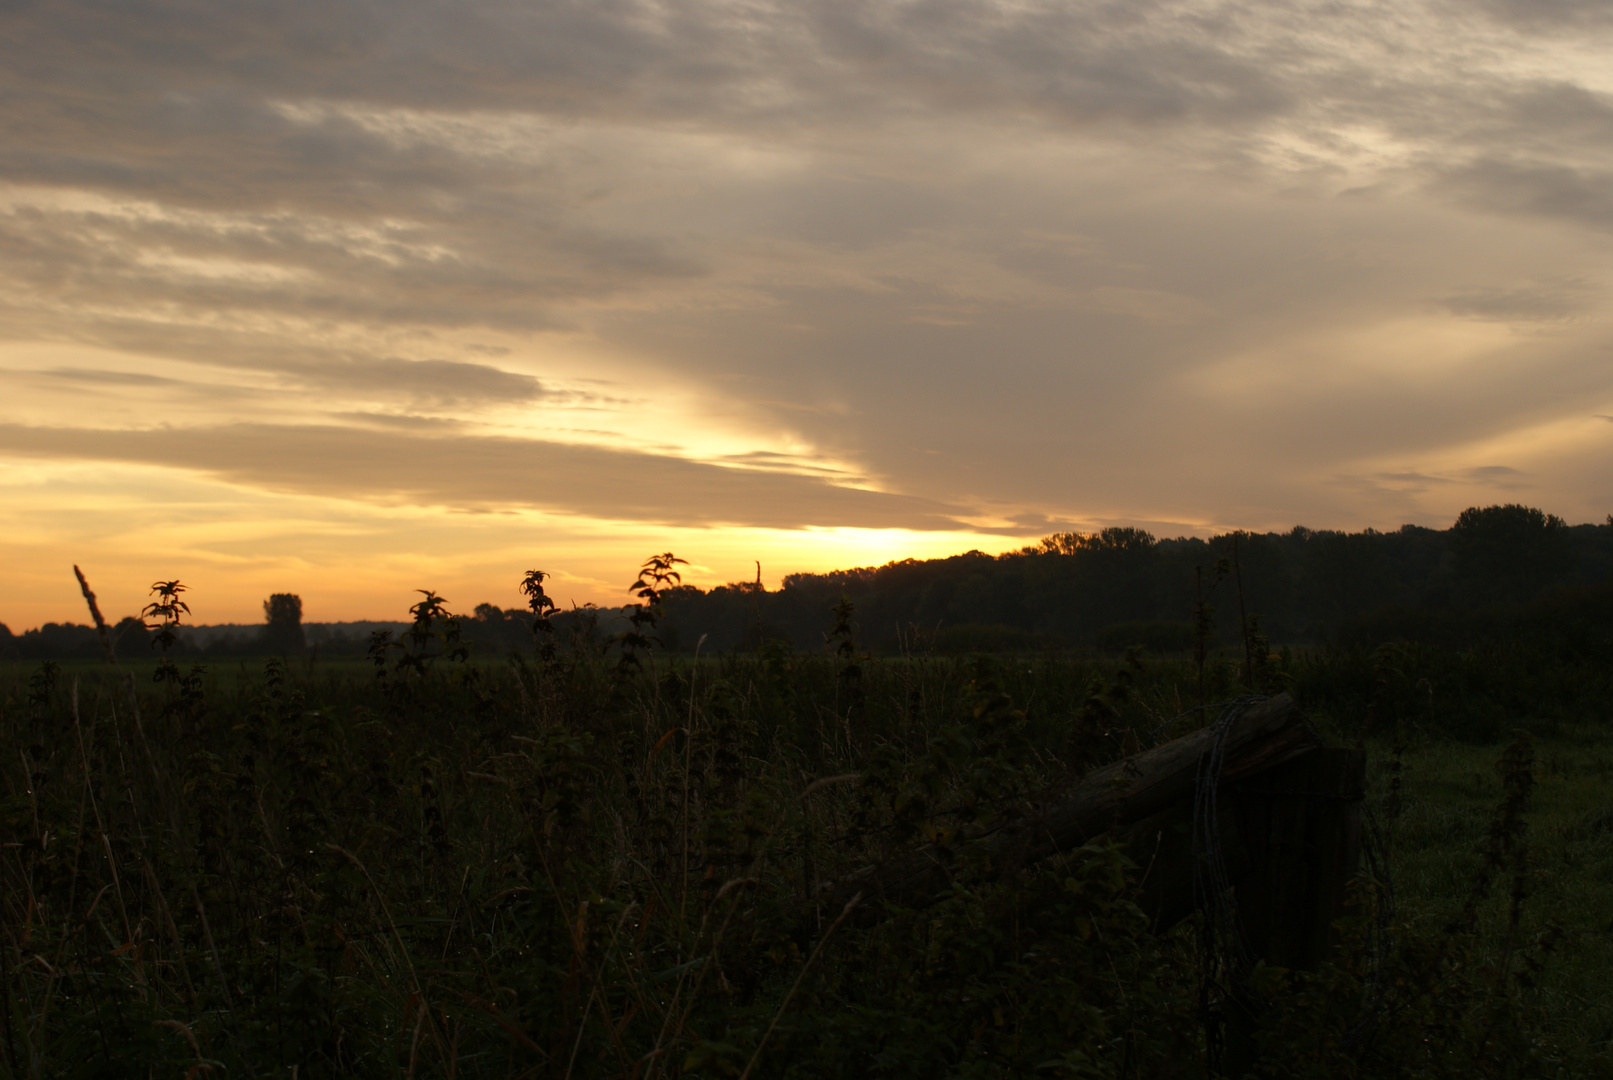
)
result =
(806, 539)
(427, 309)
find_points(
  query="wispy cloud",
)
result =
(489, 473)
(106, 378)
(1540, 302)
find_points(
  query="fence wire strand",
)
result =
(1224, 963)
(1380, 929)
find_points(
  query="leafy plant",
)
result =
(655, 577)
(543, 610)
(842, 642)
(170, 610)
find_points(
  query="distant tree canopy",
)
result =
(1072, 543)
(1509, 552)
(283, 609)
(131, 638)
(1124, 586)
(282, 632)
(1110, 589)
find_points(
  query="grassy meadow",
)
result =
(1450, 791)
(591, 863)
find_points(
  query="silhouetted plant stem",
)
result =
(95, 614)
(1243, 618)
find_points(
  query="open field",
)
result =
(581, 868)
(1450, 793)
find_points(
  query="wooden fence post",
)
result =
(1301, 824)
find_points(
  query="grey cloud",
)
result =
(296, 366)
(247, 128)
(90, 383)
(439, 382)
(209, 131)
(1550, 15)
(1544, 303)
(106, 378)
(185, 104)
(1583, 195)
(494, 261)
(765, 68)
(1142, 60)
(402, 421)
(488, 473)
(1414, 478)
(1501, 476)
(206, 130)
(1497, 474)
(1557, 109)
(1073, 417)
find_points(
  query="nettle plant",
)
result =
(655, 577)
(543, 612)
(435, 635)
(842, 642)
(185, 691)
(170, 609)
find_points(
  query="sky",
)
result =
(348, 299)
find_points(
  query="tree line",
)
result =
(1108, 590)
(1122, 586)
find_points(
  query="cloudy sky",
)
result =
(350, 298)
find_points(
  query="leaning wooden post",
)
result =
(1112, 798)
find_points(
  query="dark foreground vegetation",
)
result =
(598, 860)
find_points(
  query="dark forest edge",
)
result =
(1497, 572)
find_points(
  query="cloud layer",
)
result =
(931, 266)
(485, 473)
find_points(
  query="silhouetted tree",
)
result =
(1507, 553)
(131, 638)
(283, 633)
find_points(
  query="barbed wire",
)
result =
(1224, 963)
(1380, 929)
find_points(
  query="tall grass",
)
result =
(564, 866)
